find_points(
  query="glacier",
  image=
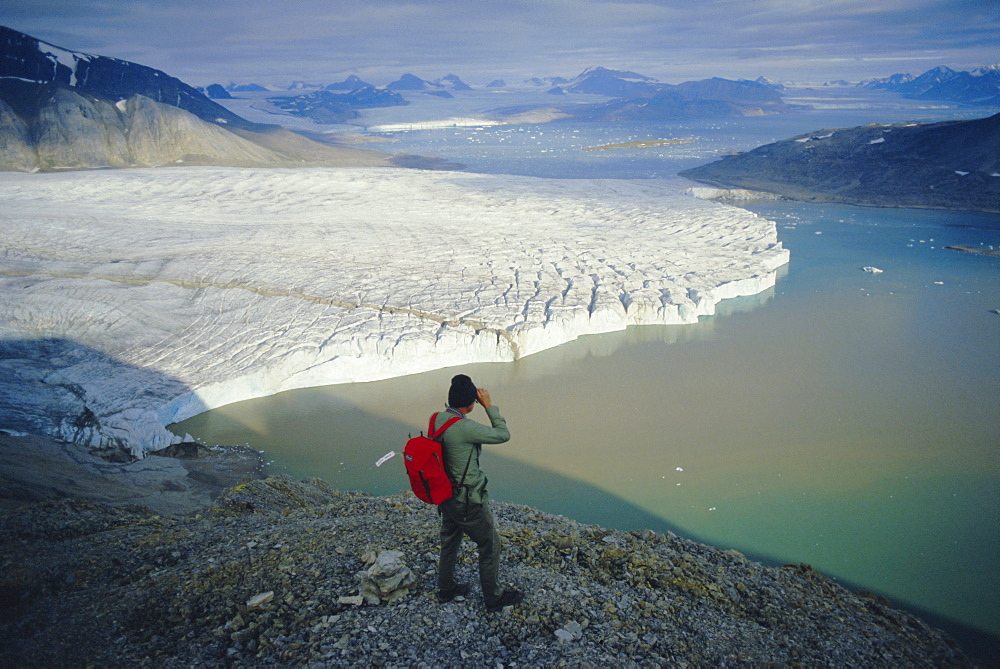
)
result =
(132, 299)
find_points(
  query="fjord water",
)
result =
(847, 419)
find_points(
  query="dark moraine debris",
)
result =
(973, 249)
(274, 574)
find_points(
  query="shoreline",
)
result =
(35, 469)
(748, 189)
(269, 573)
(974, 251)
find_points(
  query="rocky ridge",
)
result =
(27, 59)
(62, 109)
(52, 127)
(946, 165)
(281, 571)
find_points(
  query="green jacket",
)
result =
(464, 438)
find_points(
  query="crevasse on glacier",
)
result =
(185, 289)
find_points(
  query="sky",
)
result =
(276, 42)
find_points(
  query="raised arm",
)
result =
(497, 432)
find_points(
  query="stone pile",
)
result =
(388, 580)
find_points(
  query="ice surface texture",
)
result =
(131, 299)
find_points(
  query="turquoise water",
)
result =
(845, 419)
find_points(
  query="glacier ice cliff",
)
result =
(132, 299)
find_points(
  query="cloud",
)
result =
(321, 40)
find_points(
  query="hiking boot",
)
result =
(508, 598)
(460, 590)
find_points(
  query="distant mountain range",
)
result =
(339, 102)
(641, 98)
(980, 87)
(947, 165)
(66, 109)
(62, 109)
(637, 97)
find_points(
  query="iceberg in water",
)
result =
(133, 299)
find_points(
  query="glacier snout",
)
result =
(170, 292)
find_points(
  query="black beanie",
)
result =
(462, 392)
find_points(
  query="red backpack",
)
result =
(425, 464)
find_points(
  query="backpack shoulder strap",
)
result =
(434, 434)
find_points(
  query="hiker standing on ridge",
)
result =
(468, 511)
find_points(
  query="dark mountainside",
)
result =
(31, 59)
(947, 165)
(217, 92)
(61, 109)
(287, 572)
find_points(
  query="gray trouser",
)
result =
(476, 521)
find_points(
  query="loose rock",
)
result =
(84, 583)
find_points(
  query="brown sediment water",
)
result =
(845, 419)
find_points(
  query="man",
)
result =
(468, 511)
